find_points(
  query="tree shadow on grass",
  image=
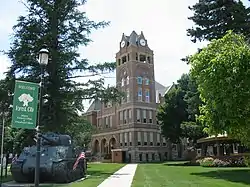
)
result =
(180, 164)
(101, 174)
(98, 173)
(232, 175)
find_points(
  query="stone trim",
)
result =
(124, 130)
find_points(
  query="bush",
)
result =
(225, 161)
(247, 160)
(207, 162)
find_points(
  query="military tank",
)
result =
(57, 159)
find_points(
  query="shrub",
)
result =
(247, 160)
(207, 162)
(220, 163)
(226, 161)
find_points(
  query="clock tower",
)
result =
(135, 77)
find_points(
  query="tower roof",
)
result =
(133, 38)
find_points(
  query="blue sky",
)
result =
(164, 23)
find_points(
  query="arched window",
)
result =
(146, 81)
(127, 80)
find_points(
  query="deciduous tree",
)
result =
(222, 73)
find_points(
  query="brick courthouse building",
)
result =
(131, 126)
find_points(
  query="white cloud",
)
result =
(164, 23)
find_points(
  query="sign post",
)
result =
(24, 112)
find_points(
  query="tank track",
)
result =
(63, 172)
(17, 175)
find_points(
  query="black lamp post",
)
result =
(43, 61)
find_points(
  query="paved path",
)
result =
(122, 178)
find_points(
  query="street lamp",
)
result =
(43, 61)
(2, 142)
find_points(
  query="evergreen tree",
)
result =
(63, 28)
(177, 115)
(172, 113)
(212, 18)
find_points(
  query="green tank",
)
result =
(57, 159)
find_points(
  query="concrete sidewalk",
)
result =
(122, 178)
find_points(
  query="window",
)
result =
(139, 94)
(122, 81)
(151, 137)
(145, 137)
(140, 157)
(138, 115)
(126, 139)
(124, 59)
(99, 122)
(147, 96)
(150, 116)
(164, 141)
(166, 155)
(127, 80)
(142, 58)
(125, 116)
(130, 138)
(119, 62)
(148, 59)
(146, 157)
(158, 139)
(139, 138)
(120, 116)
(153, 156)
(144, 116)
(128, 57)
(139, 80)
(110, 121)
(146, 80)
(136, 56)
(121, 139)
(127, 95)
(130, 115)
(106, 122)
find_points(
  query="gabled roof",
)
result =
(159, 86)
(95, 106)
(169, 88)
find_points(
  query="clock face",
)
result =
(142, 42)
(123, 43)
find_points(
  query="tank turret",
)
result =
(57, 159)
(55, 139)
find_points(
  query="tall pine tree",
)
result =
(212, 18)
(63, 28)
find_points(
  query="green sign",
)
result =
(24, 113)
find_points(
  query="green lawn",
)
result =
(98, 173)
(173, 175)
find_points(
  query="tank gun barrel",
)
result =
(51, 141)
